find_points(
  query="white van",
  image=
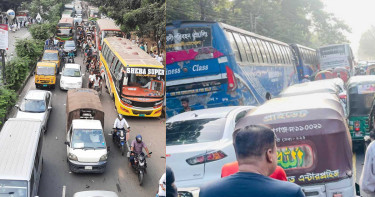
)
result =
(86, 146)
(21, 143)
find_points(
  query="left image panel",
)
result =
(82, 98)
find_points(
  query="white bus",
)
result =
(338, 55)
(21, 143)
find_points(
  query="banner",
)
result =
(4, 36)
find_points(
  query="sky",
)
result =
(358, 14)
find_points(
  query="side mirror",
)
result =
(67, 143)
(49, 108)
(17, 106)
(108, 148)
(60, 73)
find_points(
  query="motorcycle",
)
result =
(120, 139)
(69, 59)
(140, 165)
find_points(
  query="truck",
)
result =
(85, 141)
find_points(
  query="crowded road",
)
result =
(118, 177)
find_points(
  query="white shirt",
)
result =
(92, 77)
(162, 183)
(160, 59)
(367, 180)
(120, 123)
(96, 81)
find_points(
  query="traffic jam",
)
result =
(319, 103)
(87, 118)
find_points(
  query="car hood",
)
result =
(38, 116)
(71, 79)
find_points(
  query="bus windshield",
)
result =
(44, 70)
(142, 85)
(13, 188)
(64, 32)
(188, 38)
(88, 138)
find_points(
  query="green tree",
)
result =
(366, 48)
(7, 100)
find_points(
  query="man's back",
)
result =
(250, 184)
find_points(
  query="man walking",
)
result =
(367, 180)
(256, 153)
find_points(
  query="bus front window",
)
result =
(143, 85)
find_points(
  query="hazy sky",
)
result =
(358, 14)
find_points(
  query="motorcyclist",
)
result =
(136, 147)
(120, 124)
(71, 55)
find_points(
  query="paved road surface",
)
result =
(118, 177)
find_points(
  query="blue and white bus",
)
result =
(307, 60)
(212, 64)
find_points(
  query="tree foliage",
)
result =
(7, 100)
(42, 31)
(146, 17)
(16, 72)
(304, 21)
(31, 49)
(366, 50)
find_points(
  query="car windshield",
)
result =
(88, 138)
(71, 72)
(195, 131)
(50, 56)
(69, 44)
(45, 70)
(34, 106)
(13, 188)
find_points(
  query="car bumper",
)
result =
(79, 167)
(68, 87)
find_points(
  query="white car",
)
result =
(95, 193)
(199, 143)
(37, 104)
(71, 77)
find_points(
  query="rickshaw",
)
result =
(360, 94)
(325, 74)
(321, 86)
(313, 142)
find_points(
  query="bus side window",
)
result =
(247, 49)
(277, 53)
(266, 51)
(234, 46)
(253, 52)
(260, 58)
(262, 51)
(270, 51)
(240, 47)
(285, 53)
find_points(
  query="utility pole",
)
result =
(2, 51)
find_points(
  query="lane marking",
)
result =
(63, 192)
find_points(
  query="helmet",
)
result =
(120, 116)
(139, 138)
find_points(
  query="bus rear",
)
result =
(198, 71)
(335, 56)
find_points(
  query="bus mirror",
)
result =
(67, 143)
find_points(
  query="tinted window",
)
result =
(247, 49)
(260, 58)
(240, 47)
(270, 52)
(188, 38)
(234, 46)
(195, 131)
(263, 52)
(266, 51)
(252, 48)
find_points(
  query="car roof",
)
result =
(218, 112)
(86, 124)
(36, 94)
(95, 193)
(72, 66)
(319, 86)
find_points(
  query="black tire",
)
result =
(140, 177)
(53, 86)
(122, 150)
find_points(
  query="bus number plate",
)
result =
(44, 85)
(142, 115)
(88, 167)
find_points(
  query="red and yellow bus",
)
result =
(134, 79)
(65, 29)
(106, 28)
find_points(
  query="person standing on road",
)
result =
(367, 180)
(170, 186)
(256, 153)
(97, 84)
(162, 186)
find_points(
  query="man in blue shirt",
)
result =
(256, 153)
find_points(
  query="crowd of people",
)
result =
(151, 50)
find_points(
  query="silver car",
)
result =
(37, 104)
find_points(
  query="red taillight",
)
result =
(167, 155)
(232, 83)
(337, 195)
(356, 126)
(343, 96)
(205, 158)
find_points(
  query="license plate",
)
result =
(122, 143)
(44, 85)
(358, 134)
(142, 115)
(88, 167)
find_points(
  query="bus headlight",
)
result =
(103, 158)
(126, 101)
(72, 157)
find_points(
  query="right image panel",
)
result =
(270, 98)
